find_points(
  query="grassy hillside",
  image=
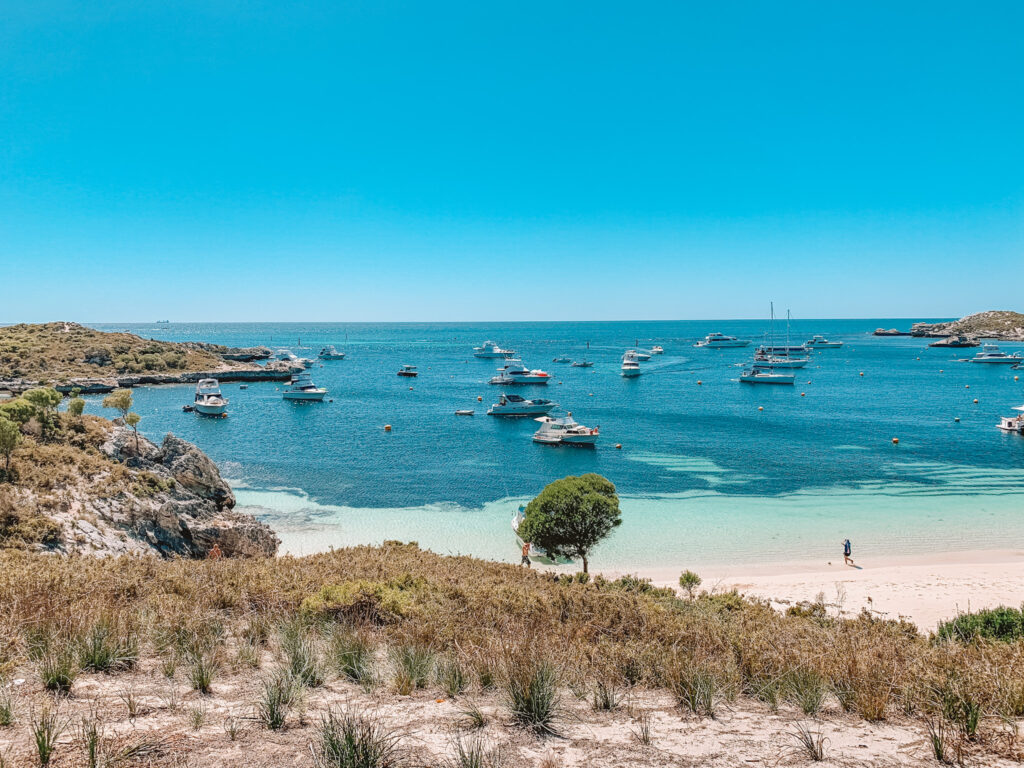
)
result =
(53, 352)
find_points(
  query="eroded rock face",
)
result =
(179, 506)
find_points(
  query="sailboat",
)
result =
(763, 371)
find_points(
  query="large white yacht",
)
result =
(330, 353)
(630, 365)
(514, 372)
(820, 342)
(766, 376)
(302, 387)
(1013, 423)
(490, 349)
(564, 431)
(209, 401)
(514, 405)
(990, 353)
(718, 340)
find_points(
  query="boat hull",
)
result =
(722, 344)
(211, 410)
(783, 363)
(314, 396)
(999, 361)
(538, 410)
(767, 379)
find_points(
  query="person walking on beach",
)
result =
(847, 552)
(526, 554)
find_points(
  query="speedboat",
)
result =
(290, 357)
(564, 431)
(582, 364)
(1013, 423)
(820, 342)
(657, 350)
(639, 354)
(562, 360)
(536, 553)
(516, 373)
(491, 350)
(302, 387)
(330, 353)
(514, 405)
(718, 340)
(956, 341)
(773, 361)
(209, 401)
(408, 370)
(465, 412)
(766, 376)
(990, 354)
(630, 365)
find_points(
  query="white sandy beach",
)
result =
(924, 589)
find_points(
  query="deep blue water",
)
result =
(839, 433)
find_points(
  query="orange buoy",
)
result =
(479, 399)
(803, 394)
(967, 386)
(699, 382)
(895, 441)
(387, 427)
(975, 401)
(760, 407)
(940, 370)
(1016, 378)
(862, 373)
(619, 446)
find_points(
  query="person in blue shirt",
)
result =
(847, 552)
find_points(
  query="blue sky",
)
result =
(479, 161)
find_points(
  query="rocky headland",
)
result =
(1003, 325)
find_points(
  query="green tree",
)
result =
(689, 581)
(19, 410)
(76, 405)
(10, 436)
(121, 400)
(45, 400)
(571, 516)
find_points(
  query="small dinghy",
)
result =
(464, 413)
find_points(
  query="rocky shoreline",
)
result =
(1001, 325)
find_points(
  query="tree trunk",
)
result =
(584, 563)
(136, 430)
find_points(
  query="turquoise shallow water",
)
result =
(705, 476)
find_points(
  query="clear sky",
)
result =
(383, 160)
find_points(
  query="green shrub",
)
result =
(352, 656)
(278, 695)
(354, 741)
(105, 649)
(531, 694)
(362, 601)
(413, 665)
(1006, 624)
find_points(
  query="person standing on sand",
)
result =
(847, 552)
(526, 554)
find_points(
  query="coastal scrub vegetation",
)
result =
(54, 352)
(1002, 623)
(464, 627)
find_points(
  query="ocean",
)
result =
(710, 472)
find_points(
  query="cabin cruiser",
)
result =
(657, 350)
(302, 387)
(1013, 423)
(718, 340)
(562, 360)
(956, 341)
(514, 372)
(766, 376)
(820, 342)
(639, 354)
(786, 350)
(630, 365)
(491, 350)
(209, 401)
(330, 353)
(564, 431)
(408, 371)
(773, 361)
(514, 405)
(990, 354)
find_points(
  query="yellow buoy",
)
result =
(387, 427)
(895, 441)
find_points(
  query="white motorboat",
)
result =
(209, 401)
(465, 412)
(774, 361)
(639, 354)
(785, 350)
(514, 405)
(1013, 423)
(536, 553)
(290, 357)
(409, 371)
(514, 372)
(582, 364)
(657, 350)
(990, 353)
(630, 365)
(820, 342)
(489, 350)
(766, 376)
(562, 360)
(718, 340)
(330, 353)
(302, 387)
(564, 431)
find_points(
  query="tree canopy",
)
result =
(121, 400)
(10, 436)
(571, 516)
